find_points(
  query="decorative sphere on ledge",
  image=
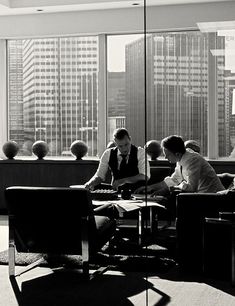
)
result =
(111, 144)
(79, 149)
(40, 148)
(10, 149)
(153, 149)
(193, 145)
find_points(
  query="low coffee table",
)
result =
(125, 206)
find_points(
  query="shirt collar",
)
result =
(119, 153)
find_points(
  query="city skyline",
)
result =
(59, 101)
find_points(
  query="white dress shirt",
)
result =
(104, 162)
(194, 174)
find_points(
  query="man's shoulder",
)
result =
(107, 153)
(192, 154)
(193, 157)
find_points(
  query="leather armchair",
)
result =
(55, 220)
(191, 209)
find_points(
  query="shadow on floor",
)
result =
(69, 288)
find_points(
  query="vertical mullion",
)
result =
(102, 94)
(3, 93)
(212, 99)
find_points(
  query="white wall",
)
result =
(115, 21)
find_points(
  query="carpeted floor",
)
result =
(129, 258)
(137, 276)
(150, 278)
(125, 255)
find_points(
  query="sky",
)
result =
(116, 51)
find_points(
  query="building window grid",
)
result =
(186, 63)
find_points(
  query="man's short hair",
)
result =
(120, 133)
(174, 144)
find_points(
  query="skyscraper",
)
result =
(116, 102)
(15, 91)
(59, 86)
(176, 88)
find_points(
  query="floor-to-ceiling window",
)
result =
(178, 69)
(52, 92)
(53, 86)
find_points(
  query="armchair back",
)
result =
(191, 210)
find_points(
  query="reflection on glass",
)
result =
(176, 86)
(226, 69)
(53, 92)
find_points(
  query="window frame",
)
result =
(102, 95)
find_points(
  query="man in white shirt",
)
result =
(127, 163)
(192, 172)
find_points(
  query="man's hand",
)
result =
(142, 189)
(160, 192)
(156, 193)
(175, 189)
(89, 187)
(94, 181)
(118, 183)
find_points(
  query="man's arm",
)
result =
(160, 188)
(154, 189)
(190, 184)
(175, 179)
(100, 174)
(129, 180)
(94, 181)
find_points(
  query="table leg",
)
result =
(140, 227)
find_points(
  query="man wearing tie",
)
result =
(127, 163)
(192, 172)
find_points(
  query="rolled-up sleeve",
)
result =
(143, 163)
(175, 179)
(193, 175)
(103, 165)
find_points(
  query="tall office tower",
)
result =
(15, 91)
(229, 84)
(176, 87)
(230, 113)
(116, 98)
(60, 92)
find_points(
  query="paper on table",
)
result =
(125, 203)
(77, 186)
(128, 205)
